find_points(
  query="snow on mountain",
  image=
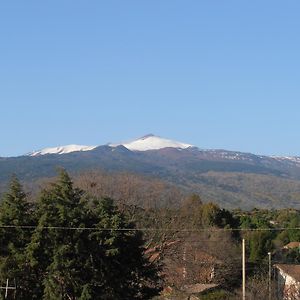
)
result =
(152, 142)
(148, 142)
(62, 150)
(291, 159)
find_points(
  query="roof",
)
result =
(154, 253)
(292, 245)
(198, 288)
(291, 270)
(193, 254)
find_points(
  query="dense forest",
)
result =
(104, 236)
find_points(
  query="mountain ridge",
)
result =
(145, 143)
(152, 142)
(229, 178)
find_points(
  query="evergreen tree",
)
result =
(80, 250)
(57, 246)
(122, 271)
(260, 243)
(15, 213)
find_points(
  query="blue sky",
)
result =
(216, 74)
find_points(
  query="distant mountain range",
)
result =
(233, 179)
(145, 143)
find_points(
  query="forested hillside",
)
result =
(231, 179)
(74, 236)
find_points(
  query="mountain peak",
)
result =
(147, 136)
(152, 142)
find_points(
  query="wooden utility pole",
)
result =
(270, 276)
(244, 270)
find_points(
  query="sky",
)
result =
(215, 74)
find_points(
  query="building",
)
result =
(292, 245)
(186, 265)
(288, 281)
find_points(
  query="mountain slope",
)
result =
(233, 179)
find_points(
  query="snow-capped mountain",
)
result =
(62, 150)
(147, 142)
(223, 175)
(152, 142)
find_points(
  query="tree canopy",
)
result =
(71, 247)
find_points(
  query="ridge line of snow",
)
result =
(152, 142)
(62, 150)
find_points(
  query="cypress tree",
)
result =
(121, 269)
(55, 252)
(80, 250)
(15, 212)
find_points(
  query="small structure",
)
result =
(199, 288)
(288, 281)
(185, 264)
(292, 245)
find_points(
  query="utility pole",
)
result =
(7, 288)
(184, 271)
(244, 270)
(270, 276)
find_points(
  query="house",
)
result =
(291, 245)
(288, 281)
(185, 266)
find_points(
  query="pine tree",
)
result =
(15, 212)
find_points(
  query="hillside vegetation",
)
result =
(231, 179)
(71, 234)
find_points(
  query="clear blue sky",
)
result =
(216, 74)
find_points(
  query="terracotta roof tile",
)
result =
(292, 270)
(292, 245)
